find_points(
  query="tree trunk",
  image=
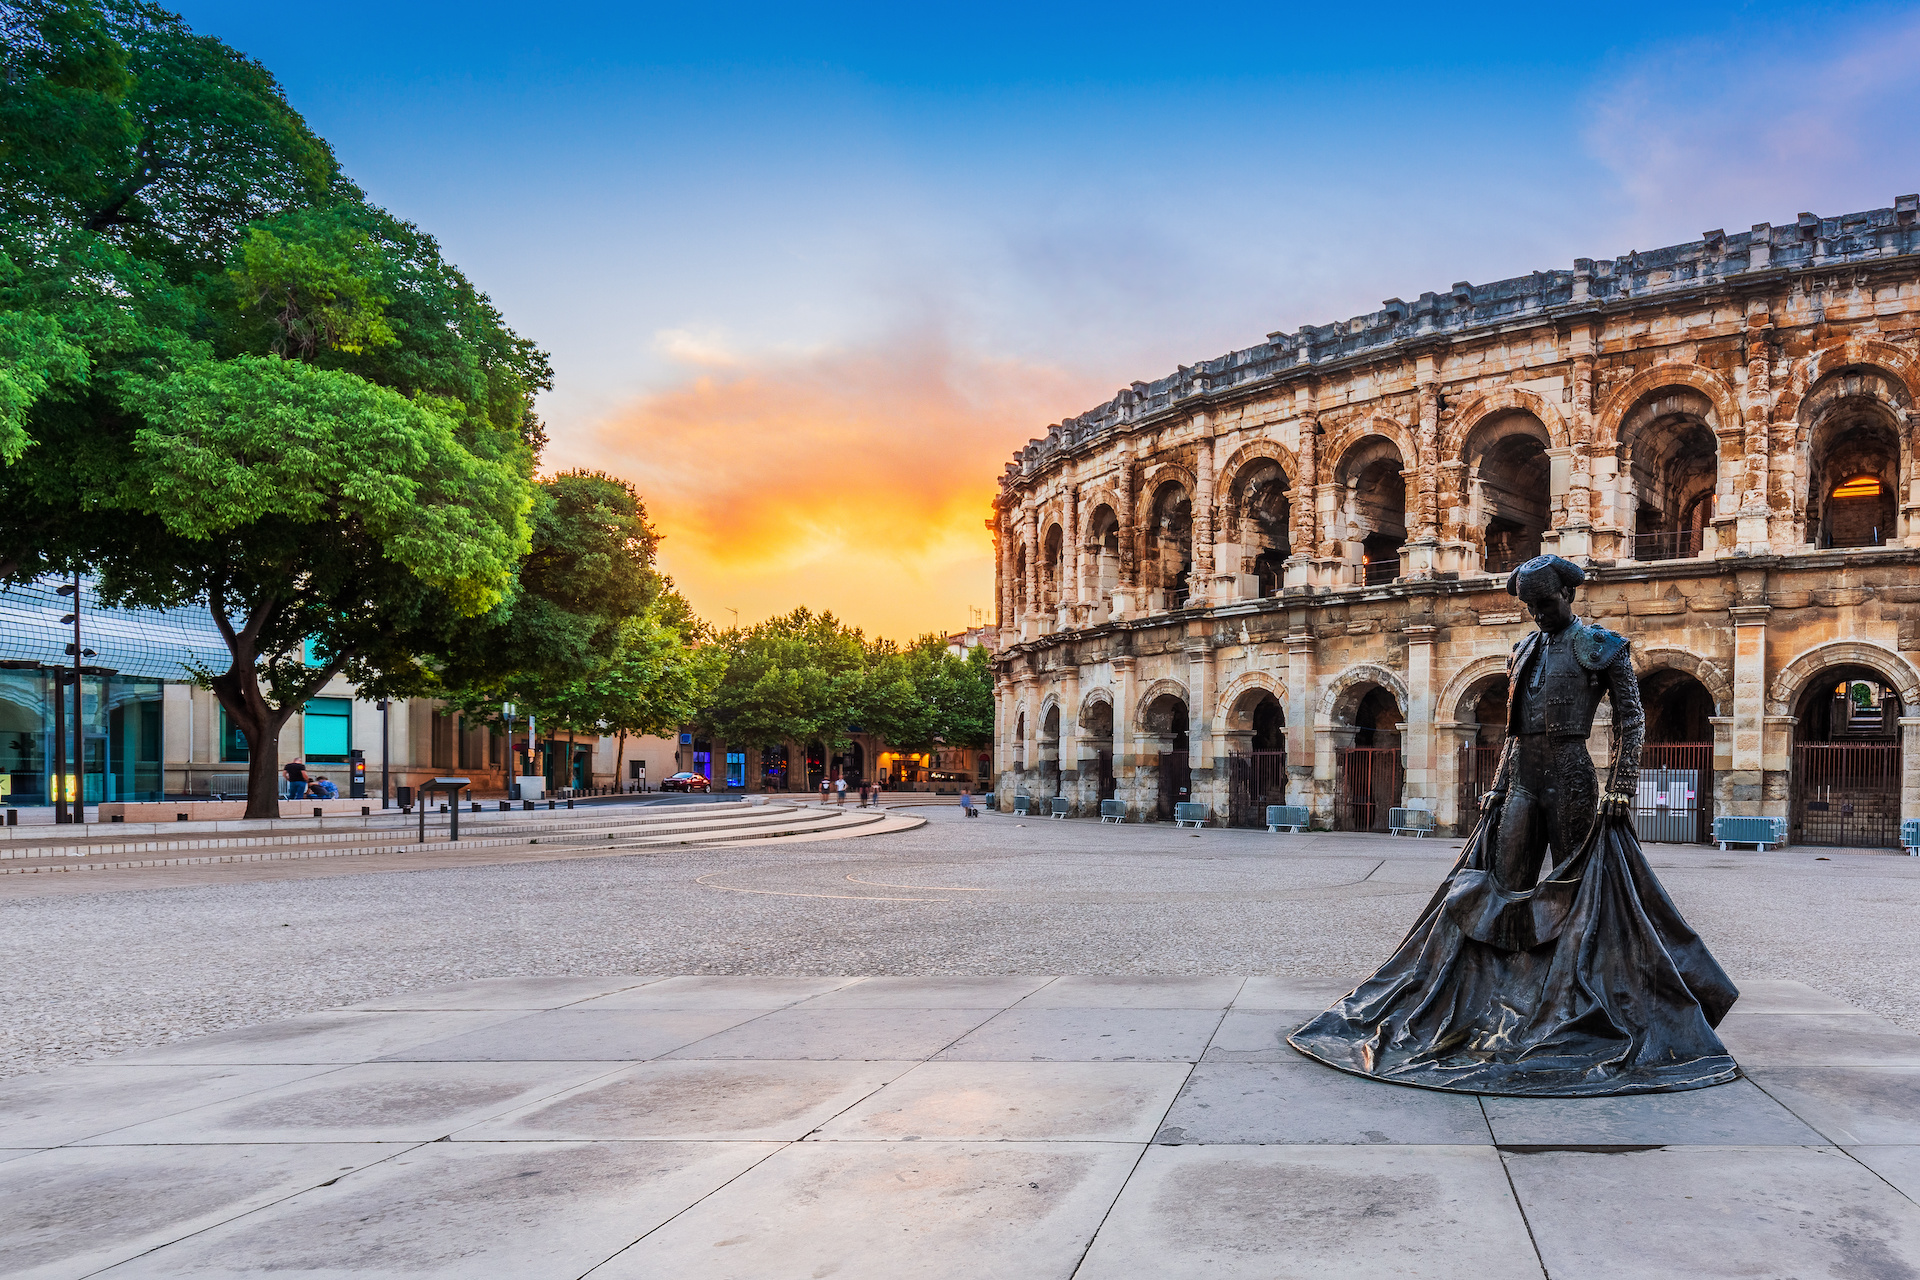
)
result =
(619, 755)
(238, 690)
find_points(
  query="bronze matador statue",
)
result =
(1550, 963)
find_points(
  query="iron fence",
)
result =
(1255, 781)
(1674, 804)
(1680, 544)
(1377, 573)
(1846, 794)
(1367, 783)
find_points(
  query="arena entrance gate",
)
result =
(1367, 783)
(1846, 794)
(1255, 781)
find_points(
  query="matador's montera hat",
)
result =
(1544, 576)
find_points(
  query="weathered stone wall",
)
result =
(1676, 421)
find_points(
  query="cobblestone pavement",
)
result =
(141, 962)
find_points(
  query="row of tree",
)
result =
(228, 379)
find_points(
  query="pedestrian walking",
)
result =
(966, 802)
(297, 781)
(826, 789)
(840, 791)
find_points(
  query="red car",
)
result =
(685, 782)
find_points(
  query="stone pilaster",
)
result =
(1300, 738)
(1126, 763)
(1202, 750)
(1421, 747)
(1200, 575)
(1744, 779)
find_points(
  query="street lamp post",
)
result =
(513, 766)
(383, 753)
(80, 657)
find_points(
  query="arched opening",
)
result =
(1170, 546)
(1368, 776)
(1050, 753)
(816, 764)
(1166, 720)
(1484, 705)
(1672, 462)
(1052, 549)
(1096, 726)
(1020, 579)
(1855, 477)
(773, 767)
(1102, 558)
(1512, 494)
(1846, 760)
(1020, 742)
(1256, 758)
(1376, 509)
(851, 764)
(1675, 800)
(1265, 519)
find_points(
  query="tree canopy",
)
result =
(229, 379)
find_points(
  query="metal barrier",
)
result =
(1419, 822)
(1060, 806)
(1683, 544)
(1910, 836)
(1113, 811)
(1294, 817)
(1187, 814)
(1758, 831)
(1023, 804)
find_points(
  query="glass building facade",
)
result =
(134, 653)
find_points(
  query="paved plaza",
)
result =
(1064, 1058)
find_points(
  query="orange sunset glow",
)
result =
(859, 482)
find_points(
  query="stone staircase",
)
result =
(603, 828)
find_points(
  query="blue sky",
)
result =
(808, 276)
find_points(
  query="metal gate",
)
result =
(1255, 781)
(1367, 783)
(1104, 757)
(1675, 802)
(1846, 795)
(1176, 783)
(1477, 768)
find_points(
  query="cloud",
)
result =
(1764, 131)
(857, 480)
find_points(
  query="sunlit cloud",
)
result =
(857, 480)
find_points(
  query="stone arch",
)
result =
(1369, 523)
(1259, 494)
(1468, 681)
(1048, 705)
(1230, 714)
(1344, 693)
(1716, 682)
(1341, 439)
(1504, 473)
(1642, 385)
(1853, 427)
(1152, 693)
(1156, 475)
(1255, 451)
(1499, 401)
(1787, 687)
(1861, 353)
(1093, 698)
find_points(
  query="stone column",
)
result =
(1910, 766)
(1200, 575)
(1300, 735)
(1327, 739)
(1126, 599)
(1422, 554)
(1306, 525)
(1745, 779)
(1202, 751)
(1752, 533)
(1418, 738)
(1071, 741)
(1073, 594)
(1035, 552)
(1125, 762)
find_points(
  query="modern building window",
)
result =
(441, 748)
(233, 743)
(736, 768)
(328, 733)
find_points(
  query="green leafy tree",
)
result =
(229, 380)
(924, 695)
(795, 677)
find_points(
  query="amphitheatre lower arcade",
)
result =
(1279, 576)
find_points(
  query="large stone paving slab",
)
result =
(1715, 1211)
(521, 1210)
(886, 1210)
(1019, 1125)
(1264, 1212)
